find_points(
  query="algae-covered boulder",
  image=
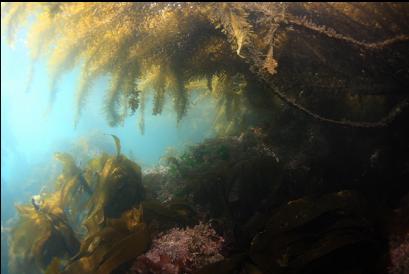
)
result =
(323, 235)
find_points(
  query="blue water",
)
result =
(30, 137)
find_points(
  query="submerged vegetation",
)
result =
(308, 173)
(242, 53)
(227, 205)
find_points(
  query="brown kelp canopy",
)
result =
(309, 55)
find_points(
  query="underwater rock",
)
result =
(181, 251)
(399, 255)
(227, 175)
(317, 236)
(398, 231)
(226, 266)
(161, 216)
(154, 180)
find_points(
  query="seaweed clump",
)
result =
(181, 251)
(95, 221)
(276, 210)
(38, 236)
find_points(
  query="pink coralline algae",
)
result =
(399, 255)
(181, 251)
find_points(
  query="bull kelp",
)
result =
(306, 171)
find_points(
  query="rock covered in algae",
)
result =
(181, 251)
(317, 235)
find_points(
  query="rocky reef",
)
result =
(227, 205)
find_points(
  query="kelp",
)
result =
(39, 236)
(117, 145)
(236, 184)
(115, 241)
(104, 198)
(116, 183)
(119, 187)
(72, 172)
(306, 234)
(73, 189)
(125, 250)
(53, 267)
(121, 240)
(246, 56)
(287, 50)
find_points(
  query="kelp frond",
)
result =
(117, 144)
(159, 48)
